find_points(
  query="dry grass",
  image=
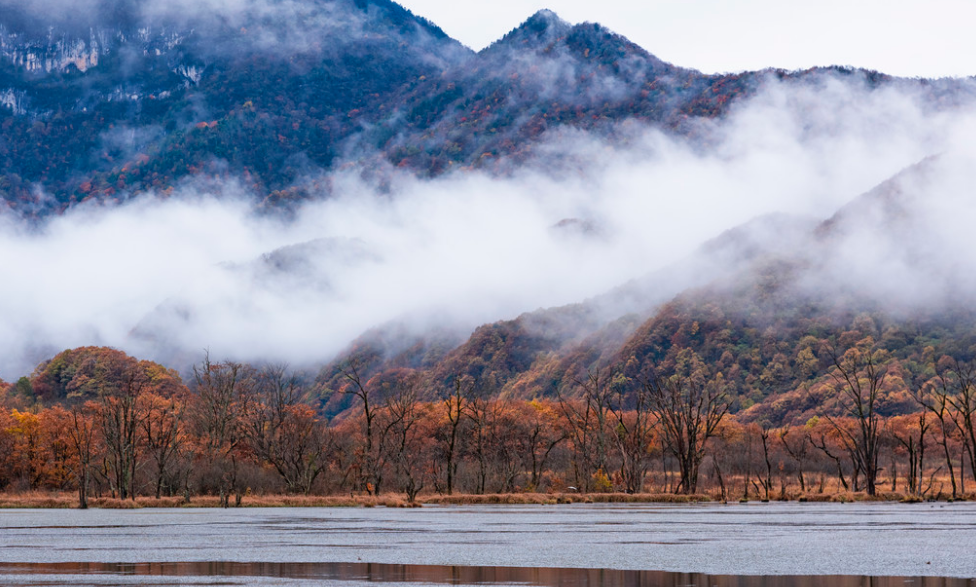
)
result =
(56, 500)
(36, 499)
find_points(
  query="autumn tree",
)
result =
(114, 382)
(82, 431)
(121, 380)
(28, 453)
(7, 448)
(220, 392)
(59, 467)
(164, 436)
(546, 431)
(283, 431)
(78, 433)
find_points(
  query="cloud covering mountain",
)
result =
(448, 189)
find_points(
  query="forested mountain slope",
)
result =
(115, 98)
(762, 311)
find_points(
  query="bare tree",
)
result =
(934, 396)
(963, 402)
(597, 391)
(372, 454)
(406, 443)
(821, 442)
(798, 450)
(860, 374)
(634, 433)
(300, 449)
(483, 413)
(546, 433)
(589, 419)
(913, 441)
(689, 412)
(455, 406)
(765, 480)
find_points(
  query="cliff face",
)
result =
(115, 44)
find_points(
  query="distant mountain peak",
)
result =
(541, 28)
(543, 19)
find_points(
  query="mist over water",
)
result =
(165, 278)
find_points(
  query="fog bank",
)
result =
(166, 278)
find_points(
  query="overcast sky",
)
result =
(930, 38)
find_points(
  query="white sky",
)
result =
(931, 38)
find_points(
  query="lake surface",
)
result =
(776, 545)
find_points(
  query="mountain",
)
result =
(543, 75)
(104, 100)
(759, 309)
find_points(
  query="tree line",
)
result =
(102, 423)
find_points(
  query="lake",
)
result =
(755, 544)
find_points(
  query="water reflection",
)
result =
(76, 573)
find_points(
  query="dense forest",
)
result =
(100, 423)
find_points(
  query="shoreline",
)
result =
(46, 500)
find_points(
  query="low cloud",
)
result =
(222, 27)
(166, 278)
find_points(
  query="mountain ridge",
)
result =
(272, 104)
